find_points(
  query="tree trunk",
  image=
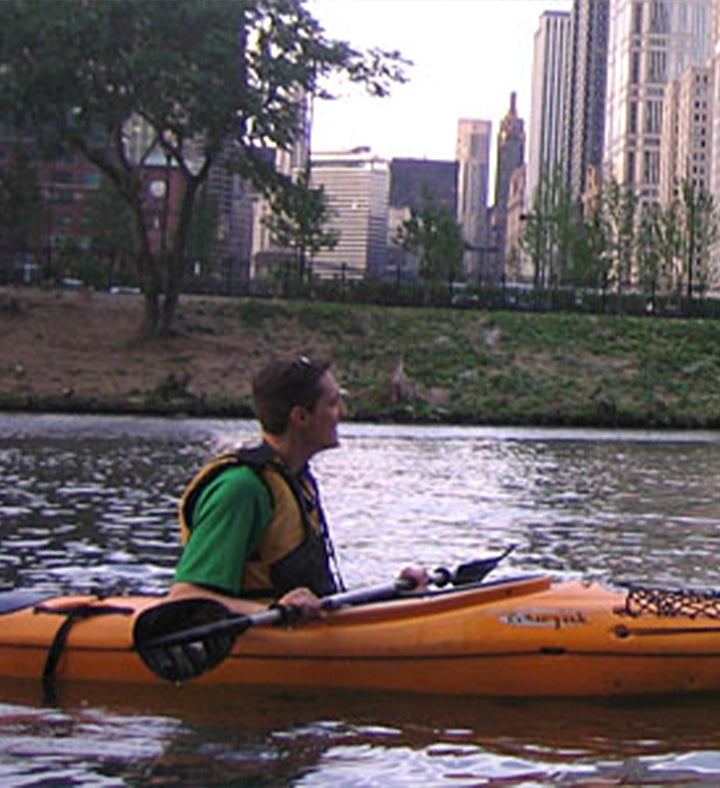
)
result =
(151, 315)
(167, 316)
(158, 315)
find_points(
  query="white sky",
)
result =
(468, 56)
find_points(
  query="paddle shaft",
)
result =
(235, 625)
(278, 614)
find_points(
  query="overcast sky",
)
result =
(468, 55)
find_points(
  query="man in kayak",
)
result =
(253, 526)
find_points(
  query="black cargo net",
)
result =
(672, 603)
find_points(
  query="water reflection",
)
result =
(201, 736)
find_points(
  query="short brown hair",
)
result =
(281, 385)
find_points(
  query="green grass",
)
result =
(506, 367)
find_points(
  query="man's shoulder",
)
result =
(240, 477)
(234, 486)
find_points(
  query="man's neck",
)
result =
(294, 457)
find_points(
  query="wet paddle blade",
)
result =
(180, 661)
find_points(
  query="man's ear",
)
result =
(299, 415)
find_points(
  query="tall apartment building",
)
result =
(357, 186)
(547, 102)
(686, 151)
(473, 157)
(714, 64)
(585, 92)
(650, 44)
(510, 156)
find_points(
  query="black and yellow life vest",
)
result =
(296, 548)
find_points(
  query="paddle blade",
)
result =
(186, 659)
(476, 571)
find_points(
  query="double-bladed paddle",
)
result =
(182, 639)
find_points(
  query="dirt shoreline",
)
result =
(80, 351)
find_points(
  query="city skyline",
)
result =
(449, 41)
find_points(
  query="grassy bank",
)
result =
(79, 352)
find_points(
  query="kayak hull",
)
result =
(527, 637)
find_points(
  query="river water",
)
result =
(89, 504)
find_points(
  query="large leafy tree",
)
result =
(211, 79)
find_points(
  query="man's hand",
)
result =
(304, 604)
(417, 575)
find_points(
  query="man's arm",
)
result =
(230, 518)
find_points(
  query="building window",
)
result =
(637, 18)
(651, 166)
(630, 167)
(632, 117)
(657, 66)
(659, 17)
(653, 117)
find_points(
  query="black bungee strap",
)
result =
(73, 614)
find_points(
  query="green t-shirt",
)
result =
(230, 518)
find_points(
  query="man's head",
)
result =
(285, 384)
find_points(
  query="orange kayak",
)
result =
(519, 637)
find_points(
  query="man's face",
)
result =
(323, 420)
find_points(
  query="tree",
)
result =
(655, 247)
(549, 228)
(699, 223)
(208, 80)
(590, 260)
(297, 222)
(433, 233)
(620, 208)
(660, 246)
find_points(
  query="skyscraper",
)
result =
(649, 45)
(473, 156)
(510, 156)
(585, 99)
(547, 102)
